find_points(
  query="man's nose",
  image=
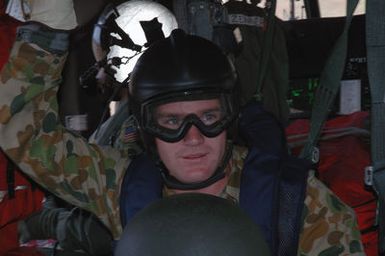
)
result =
(193, 136)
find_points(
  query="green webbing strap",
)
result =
(328, 87)
(266, 48)
(375, 43)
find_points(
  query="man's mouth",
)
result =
(194, 156)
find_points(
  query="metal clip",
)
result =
(369, 175)
(3, 193)
(315, 155)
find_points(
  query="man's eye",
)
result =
(171, 122)
(211, 117)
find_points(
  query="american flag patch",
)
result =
(129, 135)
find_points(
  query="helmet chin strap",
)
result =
(173, 183)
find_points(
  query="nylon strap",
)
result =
(328, 86)
(10, 178)
(375, 43)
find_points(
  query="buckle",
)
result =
(368, 179)
(315, 155)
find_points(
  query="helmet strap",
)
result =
(173, 183)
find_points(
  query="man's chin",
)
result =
(196, 176)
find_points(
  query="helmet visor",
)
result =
(170, 119)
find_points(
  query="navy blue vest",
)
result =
(273, 183)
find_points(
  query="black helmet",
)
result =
(179, 68)
(192, 224)
(182, 67)
(181, 63)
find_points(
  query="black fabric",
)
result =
(291, 204)
(10, 178)
(142, 184)
(75, 231)
(273, 178)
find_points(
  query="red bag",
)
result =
(26, 201)
(24, 251)
(8, 27)
(344, 154)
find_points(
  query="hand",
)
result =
(57, 14)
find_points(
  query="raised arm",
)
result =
(31, 134)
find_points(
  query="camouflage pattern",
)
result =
(329, 225)
(89, 176)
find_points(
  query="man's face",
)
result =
(195, 157)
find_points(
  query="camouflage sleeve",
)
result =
(83, 174)
(329, 226)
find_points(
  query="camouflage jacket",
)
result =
(89, 176)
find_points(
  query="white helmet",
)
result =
(127, 41)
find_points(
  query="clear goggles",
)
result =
(214, 114)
